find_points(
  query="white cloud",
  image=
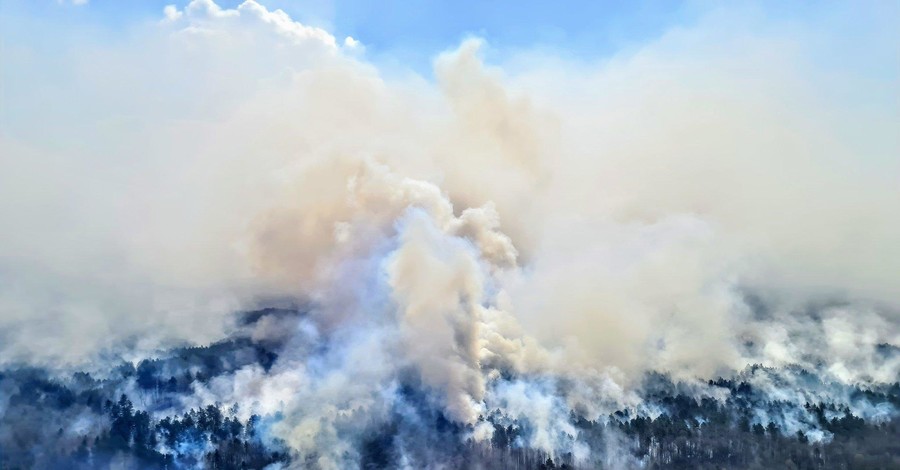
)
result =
(172, 13)
(206, 15)
(351, 43)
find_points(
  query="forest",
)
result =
(134, 417)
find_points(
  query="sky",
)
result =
(624, 165)
(409, 34)
(413, 32)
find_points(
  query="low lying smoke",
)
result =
(523, 241)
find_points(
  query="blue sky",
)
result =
(404, 32)
(411, 33)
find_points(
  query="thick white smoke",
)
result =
(570, 225)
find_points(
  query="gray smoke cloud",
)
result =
(531, 236)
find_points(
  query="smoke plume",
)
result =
(524, 239)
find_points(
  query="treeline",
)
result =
(80, 422)
(706, 434)
(199, 438)
(121, 436)
(49, 424)
(690, 433)
(697, 435)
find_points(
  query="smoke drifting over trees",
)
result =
(215, 407)
(682, 256)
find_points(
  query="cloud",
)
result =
(171, 13)
(351, 43)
